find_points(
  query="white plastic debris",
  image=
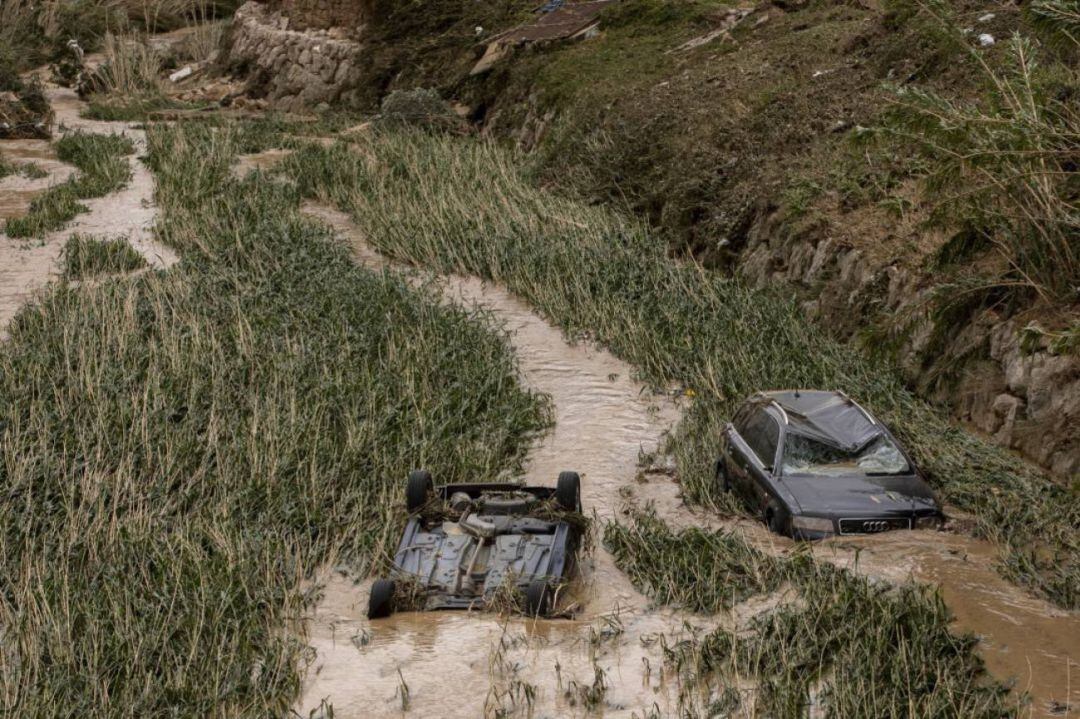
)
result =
(182, 73)
(479, 30)
(987, 17)
(986, 39)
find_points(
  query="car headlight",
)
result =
(933, 521)
(812, 524)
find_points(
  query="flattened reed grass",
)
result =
(870, 649)
(102, 168)
(85, 257)
(458, 205)
(701, 571)
(180, 449)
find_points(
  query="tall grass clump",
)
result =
(869, 649)
(127, 85)
(102, 166)
(464, 206)
(86, 257)
(181, 450)
(29, 170)
(1001, 172)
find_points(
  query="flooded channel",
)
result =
(471, 664)
(28, 264)
(454, 664)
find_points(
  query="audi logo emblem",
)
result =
(878, 526)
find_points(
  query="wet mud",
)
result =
(456, 664)
(16, 191)
(28, 264)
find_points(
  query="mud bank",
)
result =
(28, 265)
(16, 191)
(604, 420)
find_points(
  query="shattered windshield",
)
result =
(803, 455)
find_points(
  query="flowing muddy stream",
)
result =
(27, 265)
(455, 664)
(449, 661)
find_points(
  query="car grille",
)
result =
(873, 526)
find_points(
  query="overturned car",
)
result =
(470, 546)
(814, 464)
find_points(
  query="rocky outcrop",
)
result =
(348, 15)
(295, 70)
(1027, 401)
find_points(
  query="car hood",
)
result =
(859, 495)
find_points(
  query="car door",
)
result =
(762, 436)
(736, 463)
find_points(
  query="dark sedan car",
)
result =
(815, 464)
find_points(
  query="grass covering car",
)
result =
(814, 464)
(475, 546)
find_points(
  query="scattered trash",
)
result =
(551, 6)
(986, 39)
(181, 74)
(574, 21)
(728, 22)
(987, 17)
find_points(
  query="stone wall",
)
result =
(1027, 402)
(295, 70)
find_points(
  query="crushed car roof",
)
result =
(830, 417)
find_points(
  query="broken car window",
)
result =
(803, 455)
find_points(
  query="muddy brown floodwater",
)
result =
(459, 664)
(27, 265)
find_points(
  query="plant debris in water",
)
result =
(103, 168)
(870, 649)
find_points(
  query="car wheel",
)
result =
(419, 490)
(568, 491)
(777, 520)
(722, 477)
(538, 599)
(381, 601)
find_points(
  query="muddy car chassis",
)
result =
(472, 546)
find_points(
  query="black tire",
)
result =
(568, 491)
(538, 599)
(777, 519)
(381, 601)
(722, 477)
(419, 490)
